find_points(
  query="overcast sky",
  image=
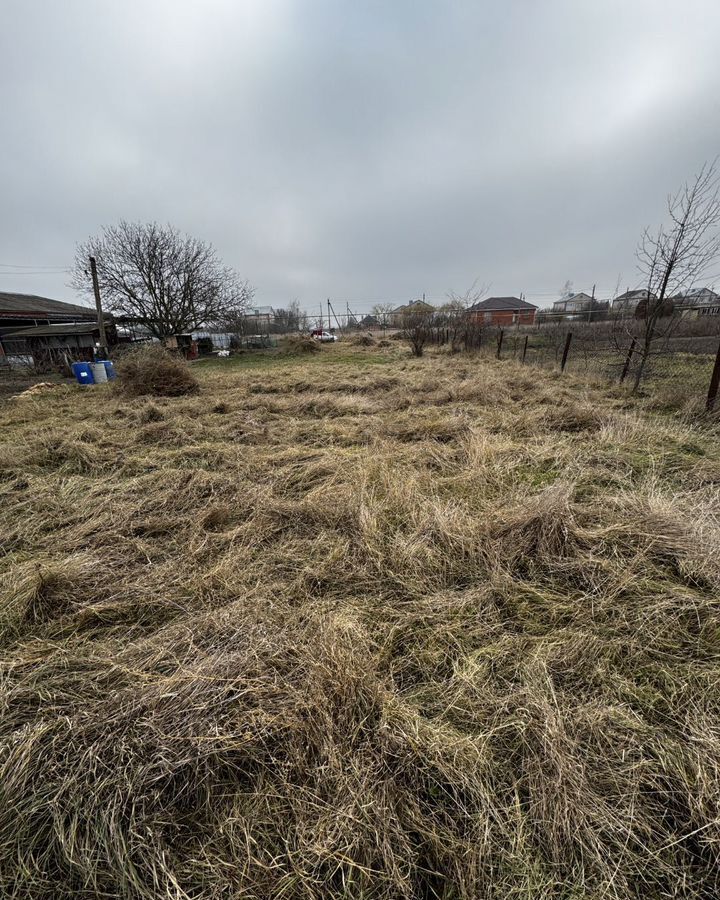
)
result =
(353, 149)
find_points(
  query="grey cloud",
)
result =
(356, 150)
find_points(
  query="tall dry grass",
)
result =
(441, 628)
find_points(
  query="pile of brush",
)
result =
(150, 369)
(300, 343)
(362, 340)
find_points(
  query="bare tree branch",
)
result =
(672, 258)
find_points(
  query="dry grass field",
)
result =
(356, 625)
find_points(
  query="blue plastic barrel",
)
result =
(83, 372)
(109, 369)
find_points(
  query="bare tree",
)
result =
(294, 315)
(462, 329)
(382, 312)
(672, 258)
(472, 295)
(287, 319)
(170, 282)
(416, 324)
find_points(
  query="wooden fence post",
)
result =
(628, 358)
(566, 351)
(524, 348)
(714, 383)
(500, 340)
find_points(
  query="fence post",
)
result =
(566, 351)
(500, 340)
(714, 383)
(524, 348)
(626, 367)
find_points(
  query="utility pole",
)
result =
(352, 317)
(98, 307)
(337, 321)
(592, 304)
(322, 317)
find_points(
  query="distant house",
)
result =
(369, 321)
(630, 300)
(577, 306)
(260, 315)
(697, 302)
(574, 303)
(503, 311)
(414, 306)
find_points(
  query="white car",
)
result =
(324, 336)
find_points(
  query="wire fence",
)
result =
(679, 366)
(681, 363)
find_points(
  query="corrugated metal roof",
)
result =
(42, 307)
(53, 330)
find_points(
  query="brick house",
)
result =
(503, 311)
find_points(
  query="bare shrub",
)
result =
(417, 324)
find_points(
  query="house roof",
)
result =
(492, 304)
(40, 307)
(54, 330)
(633, 295)
(697, 294)
(580, 297)
(413, 303)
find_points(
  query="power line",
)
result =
(38, 266)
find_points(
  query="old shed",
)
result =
(55, 347)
